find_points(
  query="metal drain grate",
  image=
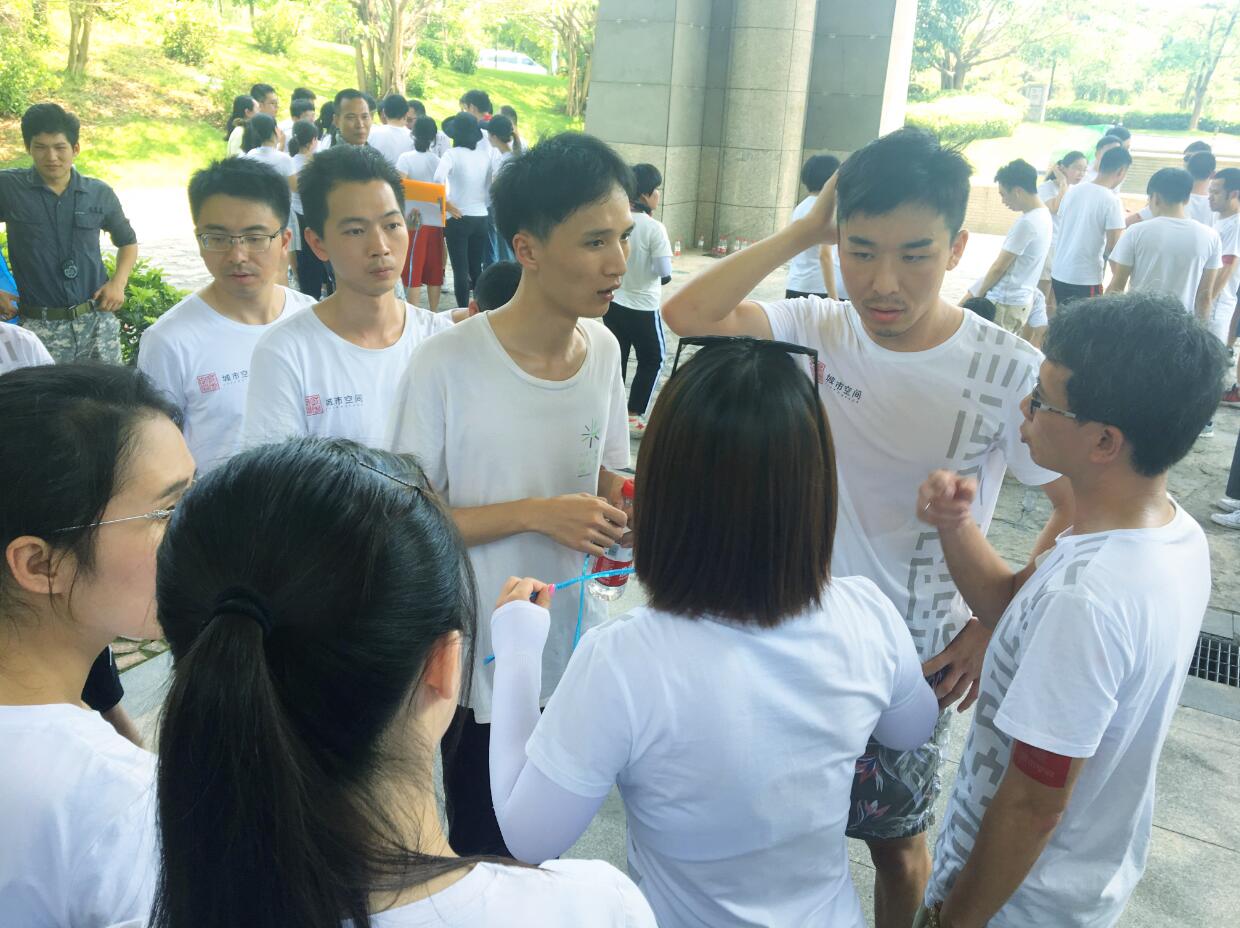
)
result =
(1217, 660)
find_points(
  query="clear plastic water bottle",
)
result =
(614, 558)
(676, 249)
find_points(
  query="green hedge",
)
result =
(189, 39)
(958, 119)
(147, 297)
(1092, 115)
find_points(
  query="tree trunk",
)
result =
(945, 75)
(393, 77)
(1050, 84)
(80, 16)
(958, 74)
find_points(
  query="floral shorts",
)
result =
(893, 793)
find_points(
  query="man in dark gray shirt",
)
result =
(54, 216)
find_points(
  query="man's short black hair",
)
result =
(342, 164)
(259, 92)
(1114, 160)
(1196, 146)
(497, 285)
(982, 306)
(508, 111)
(49, 119)
(479, 99)
(1104, 142)
(817, 170)
(1112, 343)
(243, 178)
(350, 93)
(1119, 132)
(646, 179)
(1173, 185)
(500, 127)
(1201, 165)
(1018, 174)
(300, 107)
(395, 106)
(905, 167)
(418, 107)
(304, 93)
(541, 188)
(1229, 178)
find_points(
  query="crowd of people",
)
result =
(349, 515)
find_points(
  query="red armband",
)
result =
(1041, 766)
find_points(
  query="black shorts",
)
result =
(797, 294)
(1066, 293)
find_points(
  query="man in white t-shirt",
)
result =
(1200, 165)
(812, 272)
(1050, 817)
(334, 370)
(1013, 276)
(1101, 147)
(908, 379)
(1170, 252)
(517, 416)
(1225, 314)
(391, 138)
(199, 351)
(1091, 219)
(301, 109)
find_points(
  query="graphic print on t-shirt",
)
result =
(993, 371)
(987, 748)
(591, 435)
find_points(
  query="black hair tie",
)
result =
(241, 601)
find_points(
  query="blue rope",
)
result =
(581, 599)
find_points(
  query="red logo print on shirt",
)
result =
(314, 405)
(208, 383)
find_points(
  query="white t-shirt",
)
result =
(234, 141)
(299, 161)
(734, 748)
(1088, 661)
(307, 380)
(1086, 213)
(273, 157)
(805, 270)
(421, 165)
(21, 348)
(1228, 230)
(390, 141)
(896, 416)
(559, 894)
(488, 432)
(467, 172)
(641, 287)
(77, 803)
(1199, 208)
(442, 143)
(1170, 255)
(1030, 240)
(498, 160)
(201, 360)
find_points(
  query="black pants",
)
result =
(467, 241)
(640, 329)
(313, 274)
(466, 751)
(1066, 293)
(1233, 477)
(797, 294)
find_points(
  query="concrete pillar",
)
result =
(764, 119)
(728, 98)
(859, 81)
(647, 94)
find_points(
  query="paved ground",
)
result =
(1194, 868)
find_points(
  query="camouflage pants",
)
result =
(93, 337)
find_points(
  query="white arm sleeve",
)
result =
(909, 721)
(662, 267)
(539, 819)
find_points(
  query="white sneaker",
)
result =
(1228, 504)
(1226, 519)
(637, 426)
(1207, 431)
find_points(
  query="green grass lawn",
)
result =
(149, 121)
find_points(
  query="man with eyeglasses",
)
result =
(1050, 817)
(54, 216)
(199, 351)
(910, 383)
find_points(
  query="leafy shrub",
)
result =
(147, 297)
(229, 85)
(1082, 114)
(417, 80)
(430, 50)
(275, 29)
(958, 119)
(463, 58)
(23, 78)
(918, 93)
(189, 40)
